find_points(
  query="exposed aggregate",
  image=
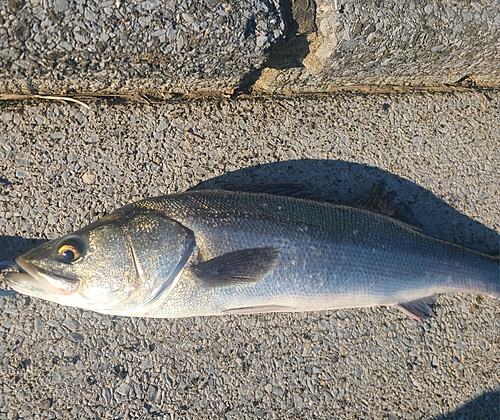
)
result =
(57, 45)
(397, 43)
(163, 47)
(63, 166)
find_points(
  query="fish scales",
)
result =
(220, 252)
(332, 256)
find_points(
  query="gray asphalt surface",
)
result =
(161, 47)
(154, 46)
(62, 166)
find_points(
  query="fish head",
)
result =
(117, 265)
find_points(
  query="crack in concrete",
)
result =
(147, 99)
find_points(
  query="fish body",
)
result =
(221, 252)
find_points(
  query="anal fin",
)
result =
(259, 309)
(418, 309)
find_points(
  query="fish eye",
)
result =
(70, 251)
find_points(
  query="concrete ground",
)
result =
(177, 47)
(62, 166)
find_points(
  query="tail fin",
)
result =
(495, 292)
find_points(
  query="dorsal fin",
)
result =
(289, 190)
(375, 202)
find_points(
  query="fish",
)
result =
(222, 252)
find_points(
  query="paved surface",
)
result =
(392, 43)
(121, 46)
(160, 47)
(63, 165)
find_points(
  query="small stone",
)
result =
(124, 389)
(106, 395)
(16, 5)
(71, 324)
(38, 324)
(261, 40)
(60, 5)
(21, 173)
(45, 404)
(298, 401)
(152, 393)
(278, 391)
(77, 338)
(147, 364)
(88, 177)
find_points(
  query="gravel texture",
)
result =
(155, 46)
(399, 43)
(63, 166)
(160, 47)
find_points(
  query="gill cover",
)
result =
(159, 249)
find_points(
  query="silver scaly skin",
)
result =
(226, 252)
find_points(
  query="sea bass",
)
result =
(218, 252)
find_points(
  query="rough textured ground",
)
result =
(62, 166)
(393, 43)
(161, 47)
(154, 46)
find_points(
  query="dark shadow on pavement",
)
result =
(484, 407)
(346, 182)
(342, 182)
(13, 246)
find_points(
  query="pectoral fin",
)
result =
(238, 267)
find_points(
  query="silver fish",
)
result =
(221, 252)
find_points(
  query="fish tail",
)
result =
(494, 290)
(486, 280)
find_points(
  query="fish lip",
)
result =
(45, 274)
(41, 277)
(18, 281)
(26, 268)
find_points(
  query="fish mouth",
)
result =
(3, 266)
(36, 280)
(24, 281)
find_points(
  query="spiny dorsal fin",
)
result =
(238, 267)
(288, 190)
(375, 201)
